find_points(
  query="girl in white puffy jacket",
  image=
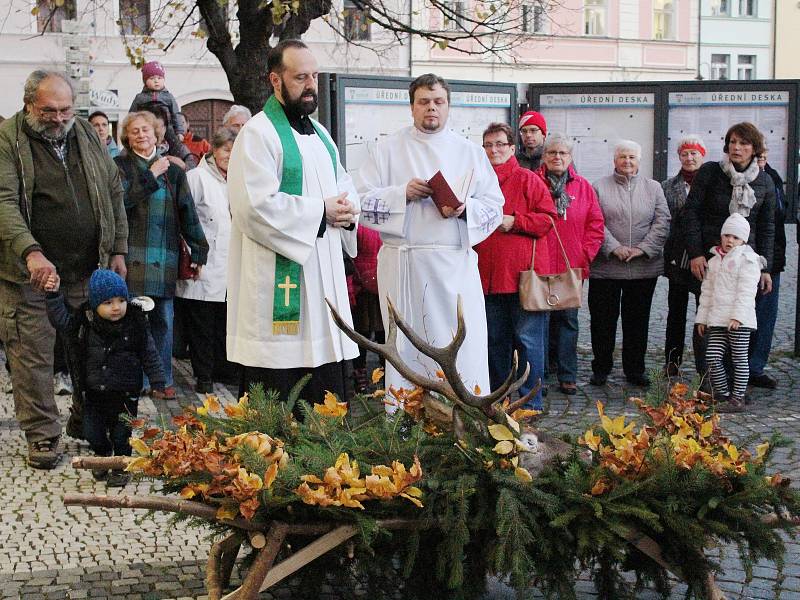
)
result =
(727, 310)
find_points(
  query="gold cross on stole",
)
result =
(287, 287)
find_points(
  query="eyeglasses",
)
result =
(498, 145)
(561, 153)
(56, 112)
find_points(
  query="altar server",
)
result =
(427, 260)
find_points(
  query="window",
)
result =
(663, 19)
(452, 13)
(134, 17)
(49, 15)
(534, 18)
(748, 8)
(720, 8)
(720, 66)
(356, 22)
(747, 66)
(594, 17)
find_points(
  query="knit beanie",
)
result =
(533, 118)
(104, 285)
(736, 225)
(152, 68)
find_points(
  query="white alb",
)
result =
(427, 261)
(266, 221)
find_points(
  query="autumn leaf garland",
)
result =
(214, 462)
(680, 428)
(342, 484)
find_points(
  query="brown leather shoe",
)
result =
(568, 388)
(44, 454)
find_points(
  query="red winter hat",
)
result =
(152, 68)
(533, 118)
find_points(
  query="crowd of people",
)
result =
(236, 247)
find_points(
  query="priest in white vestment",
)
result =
(427, 260)
(293, 209)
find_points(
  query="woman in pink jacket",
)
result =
(580, 226)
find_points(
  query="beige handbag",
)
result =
(550, 292)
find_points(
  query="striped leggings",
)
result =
(719, 341)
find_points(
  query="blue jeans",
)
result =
(563, 344)
(161, 318)
(509, 328)
(766, 315)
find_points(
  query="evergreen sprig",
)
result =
(477, 519)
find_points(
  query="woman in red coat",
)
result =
(580, 226)
(527, 214)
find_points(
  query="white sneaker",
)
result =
(62, 384)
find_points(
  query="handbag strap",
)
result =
(560, 243)
(176, 208)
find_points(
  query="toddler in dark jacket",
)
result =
(157, 99)
(109, 344)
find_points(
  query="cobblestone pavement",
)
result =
(51, 551)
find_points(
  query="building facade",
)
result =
(554, 41)
(584, 40)
(787, 40)
(35, 35)
(736, 39)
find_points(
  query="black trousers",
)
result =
(329, 376)
(205, 329)
(59, 356)
(606, 298)
(678, 303)
(103, 428)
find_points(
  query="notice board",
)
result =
(366, 109)
(596, 121)
(709, 114)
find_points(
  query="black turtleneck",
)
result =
(299, 121)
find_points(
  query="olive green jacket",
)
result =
(16, 187)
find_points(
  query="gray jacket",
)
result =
(636, 215)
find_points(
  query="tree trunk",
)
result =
(246, 65)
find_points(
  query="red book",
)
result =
(443, 195)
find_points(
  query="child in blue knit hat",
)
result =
(109, 345)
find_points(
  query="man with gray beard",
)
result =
(61, 213)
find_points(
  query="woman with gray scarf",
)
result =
(734, 184)
(580, 226)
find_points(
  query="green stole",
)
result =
(286, 297)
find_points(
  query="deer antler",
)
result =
(452, 387)
(446, 356)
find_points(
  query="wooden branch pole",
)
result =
(314, 550)
(227, 561)
(216, 577)
(187, 507)
(650, 548)
(251, 586)
(101, 462)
